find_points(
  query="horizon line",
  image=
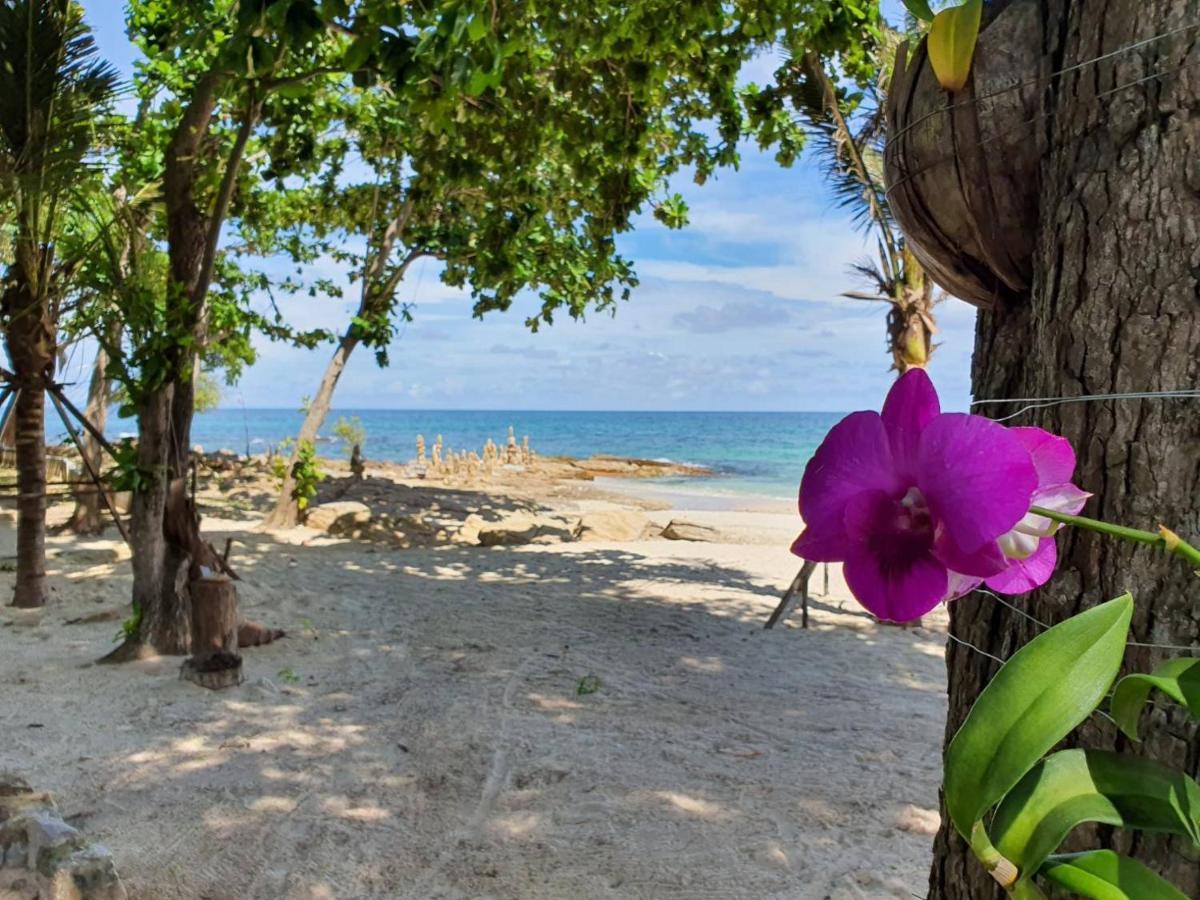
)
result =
(409, 409)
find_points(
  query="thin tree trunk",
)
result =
(89, 508)
(1115, 308)
(286, 513)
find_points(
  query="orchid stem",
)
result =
(1165, 539)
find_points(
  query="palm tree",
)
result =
(52, 88)
(847, 132)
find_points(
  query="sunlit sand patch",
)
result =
(697, 807)
(272, 804)
(345, 808)
(519, 824)
(553, 704)
(709, 664)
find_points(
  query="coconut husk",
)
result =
(963, 169)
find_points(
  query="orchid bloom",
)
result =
(922, 506)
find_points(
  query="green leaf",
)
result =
(1046, 689)
(1104, 875)
(951, 43)
(1179, 679)
(1076, 786)
(920, 9)
(359, 52)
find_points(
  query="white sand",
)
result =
(419, 734)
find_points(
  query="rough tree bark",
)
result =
(87, 517)
(1115, 308)
(30, 343)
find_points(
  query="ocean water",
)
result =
(758, 454)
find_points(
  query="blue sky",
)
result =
(740, 311)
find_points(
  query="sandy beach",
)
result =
(570, 712)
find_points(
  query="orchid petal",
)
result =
(960, 585)
(911, 404)
(1026, 574)
(1063, 498)
(818, 547)
(977, 477)
(1053, 457)
(985, 561)
(1016, 544)
(854, 457)
(895, 594)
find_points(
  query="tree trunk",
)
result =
(286, 513)
(1115, 308)
(30, 412)
(88, 517)
(31, 349)
(168, 550)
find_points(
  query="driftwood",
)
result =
(215, 662)
(962, 169)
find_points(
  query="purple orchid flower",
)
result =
(922, 506)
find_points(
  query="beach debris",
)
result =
(340, 517)
(588, 684)
(42, 856)
(679, 530)
(255, 634)
(614, 525)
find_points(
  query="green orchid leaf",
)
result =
(951, 43)
(920, 9)
(1179, 679)
(1075, 786)
(1104, 875)
(1036, 699)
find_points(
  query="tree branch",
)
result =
(225, 196)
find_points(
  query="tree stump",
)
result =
(215, 662)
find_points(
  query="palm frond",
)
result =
(52, 89)
(846, 133)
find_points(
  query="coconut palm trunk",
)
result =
(29, 339)
(51, 89)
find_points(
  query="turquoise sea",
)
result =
(758, 454)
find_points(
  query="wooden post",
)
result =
(215, 662)
(799, 585)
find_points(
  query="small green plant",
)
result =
(126, 474)
(8, 567)
(351, 433)
(279, 459)
(306, 473)
(131, 627)
(588, 684)
(288, 676)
